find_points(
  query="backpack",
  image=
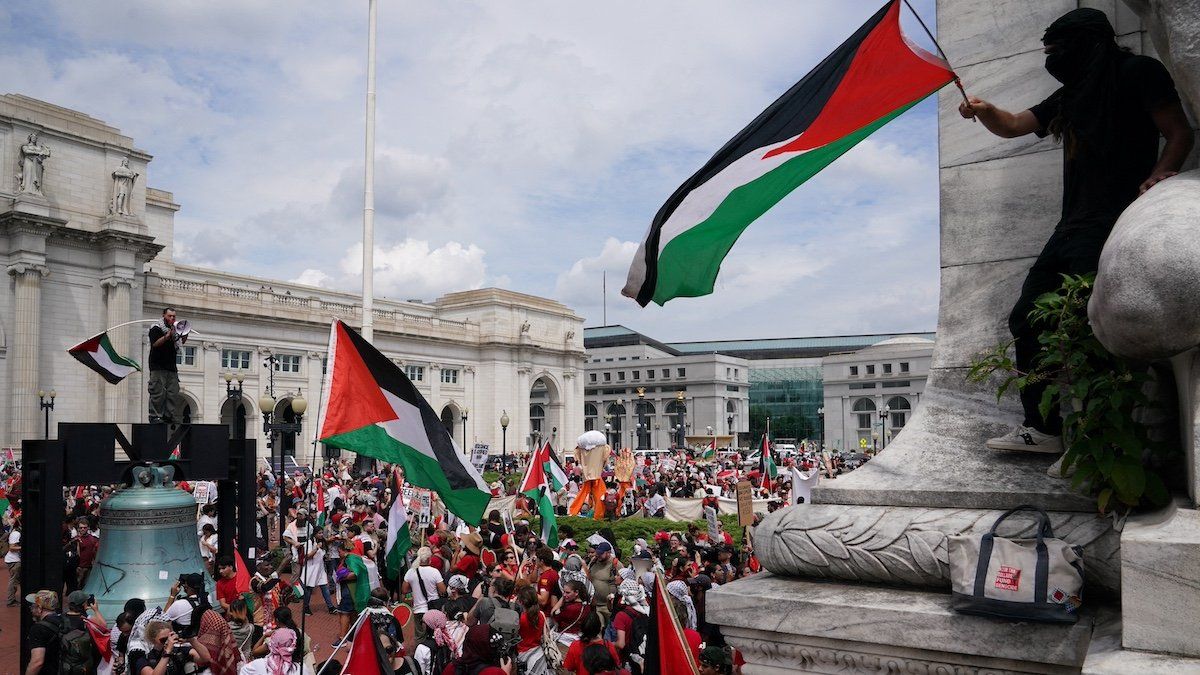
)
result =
(507, 622)
(637, 633)
(439, 656)
(76, 651)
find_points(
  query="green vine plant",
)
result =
(1099, 394)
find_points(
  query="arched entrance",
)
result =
(545, 411)
(449, 417)
(234, 412)
(186, 408)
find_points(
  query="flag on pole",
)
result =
(373, 409)
(710, 452)
(535, 485)
(98, 354)
(321, 513)
(399, 538)
(667, 649)
(367, 656)
(556, 476)
(766, 465)
(869, 80)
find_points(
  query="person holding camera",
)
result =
(169, 654)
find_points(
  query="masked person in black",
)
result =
(1108, 114)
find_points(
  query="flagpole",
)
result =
(957, 82)
(368, 243)
(129, 323)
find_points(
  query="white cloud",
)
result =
(413, 269)
(312, 277)
(582, 283)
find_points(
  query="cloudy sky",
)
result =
(522, 144)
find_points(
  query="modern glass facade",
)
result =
(791, 396)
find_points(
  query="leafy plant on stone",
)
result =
(1099, 393)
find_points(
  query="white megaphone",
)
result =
(182, 327)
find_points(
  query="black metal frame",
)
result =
(84, 454)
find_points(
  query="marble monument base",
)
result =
(784, 625)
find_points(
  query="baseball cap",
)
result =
(604, 547)
(192, 580)
(44, 599)
(714, 655)
(77, 599)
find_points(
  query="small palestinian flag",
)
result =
(868, 81)
(710, 452)
(399, 537)
(98, 354)
(367, 656)
(667, 650)
(536, 485)
(373, 409)
(766, 465)
(556, 477)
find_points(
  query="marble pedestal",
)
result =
(784, 625)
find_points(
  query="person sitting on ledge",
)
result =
(1108, 114)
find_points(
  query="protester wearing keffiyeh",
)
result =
(282, 644)
(679, 591)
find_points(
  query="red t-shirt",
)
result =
(88, 546)
(623, 621)
(548, 582)
(227, 590)
(574, 659)
(531, 635)
(570, 616)
(468, 566)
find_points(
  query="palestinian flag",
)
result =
(360, 588)
(98, 354)
(535, 485)
(373, 409)
(322, 515)
(399, 538)
(872, 78)
(367, 656)
(766, 465)
(710, 453)
(556, 476)
(667, 650)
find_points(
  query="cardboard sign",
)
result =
(710, 514)
(745, 504)
(479, 455)
(200, 493)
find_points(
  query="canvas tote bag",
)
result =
(1038, 579)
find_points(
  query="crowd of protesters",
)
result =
(475, 597)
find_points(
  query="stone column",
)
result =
(117, 397)
(26, 342)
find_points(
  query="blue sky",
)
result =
(520, 144)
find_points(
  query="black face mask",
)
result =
(1068, 63)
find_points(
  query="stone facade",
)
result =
(74, 269)
(889, 374)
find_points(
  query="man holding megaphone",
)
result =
(165, 339)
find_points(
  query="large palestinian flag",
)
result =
(869, 80)
(98, 354)
(536, 484)
(371, 408)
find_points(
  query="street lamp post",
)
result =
(271, 426)
(464, 421)
(657, 428)
(233, 393)
(643, 429)
(729, 429)
(680, 440)
(46, 407)
(821, 422)
(608, 432)
(883, 417)
(503, 441)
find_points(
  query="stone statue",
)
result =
(122, 192)
(33, 155)
(525, 327)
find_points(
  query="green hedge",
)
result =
(629, 529)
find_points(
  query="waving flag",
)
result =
(869, 80)
(766, 465)
(399, 538)
(555, 475)
(535, 485)
(98, 354)
(667, 649)
(374, 410)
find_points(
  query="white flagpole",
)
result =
(368, 267)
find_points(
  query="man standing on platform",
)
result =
(1109, 114)
(164, 374)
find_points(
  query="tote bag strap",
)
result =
(1041, 574)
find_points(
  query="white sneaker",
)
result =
(1027, 439)
(1056, 469)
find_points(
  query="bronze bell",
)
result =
(147, 539)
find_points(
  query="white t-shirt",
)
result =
(204, 520)
(332, 494)
(180, 612)
(314, 567)
(14, 539)
(206, 553)
(431, 578)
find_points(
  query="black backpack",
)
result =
(439, 656)
(76, 651)
(637, 633)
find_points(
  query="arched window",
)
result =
(900, 408)
(614, 415)
(731, 406)
(864, 409)
(537, 415)
(589, 416)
